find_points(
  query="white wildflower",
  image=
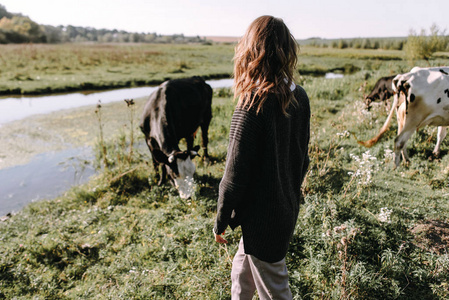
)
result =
(385, 215)
(344, 134)
(389, 155)
(367, 165)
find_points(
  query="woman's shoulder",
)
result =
(300, 92)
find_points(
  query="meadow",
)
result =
(41, 68)
(365, 230)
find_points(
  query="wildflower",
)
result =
(389, 155)
(344, 134)
(385, 215)
(366, 167)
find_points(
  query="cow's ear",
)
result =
(160, 156)
(194, 152)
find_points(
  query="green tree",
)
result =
(4, 12)
(423, 46)
(24, 27)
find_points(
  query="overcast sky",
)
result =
(311, 18)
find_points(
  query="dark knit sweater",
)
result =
(266, 163)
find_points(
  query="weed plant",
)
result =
(380, 234)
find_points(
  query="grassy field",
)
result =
(38, 69)
(365, 231)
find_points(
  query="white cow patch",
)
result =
(184, 182)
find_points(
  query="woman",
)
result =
(267, 160)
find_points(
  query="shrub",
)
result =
(423, 46)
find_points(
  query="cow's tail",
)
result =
(384, 128)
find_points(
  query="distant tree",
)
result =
(366, 44)
(53, 34)
(357, 44)
(342, 44)
(25, 27)
(106, 38)
(4, 13)
(423, 46)
(16, 28)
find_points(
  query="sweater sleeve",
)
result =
(245, 132)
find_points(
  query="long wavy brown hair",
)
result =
(264, 62)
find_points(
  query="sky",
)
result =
(312, 18)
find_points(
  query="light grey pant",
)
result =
(249, 273)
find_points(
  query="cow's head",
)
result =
(368, 101)
(401, 86)
(180, 169)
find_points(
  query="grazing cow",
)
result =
(175, 111)
(382, 91)
(425, 102)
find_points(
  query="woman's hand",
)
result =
(220, 239)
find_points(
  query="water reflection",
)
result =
(333, 75)
(16, 108)
(47, 176)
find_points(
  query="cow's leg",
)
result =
(440, 137)
(163, 176)
(204, 136)
(152, 144)
(159, 177)
(400, 115)
(401, 140)
(399, 147)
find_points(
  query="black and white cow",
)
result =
(425, 101)
(382, 91)
(175, 111)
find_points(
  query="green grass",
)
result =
(117, 237)
(37, 69)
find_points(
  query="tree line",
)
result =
(422, 45)
(359, 43)
(16, 28)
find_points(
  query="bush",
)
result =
(422, 46)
